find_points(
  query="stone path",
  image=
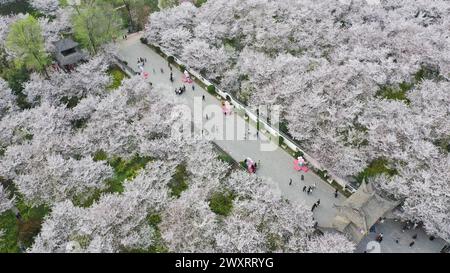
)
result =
(277, 165)
(396, 241)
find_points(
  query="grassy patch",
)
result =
(178, 182)
(443, 144)
(376, 167)
(30, 224)
(10, 228)
(274, 242)
(117, 76)
(123, 170)
(398, 92)
(199, 3)
(221, 203)
(426, 73)
(395, 92)
(126, 170)
(158, 245)
(153, 4)
(226, 158)
(16, 77)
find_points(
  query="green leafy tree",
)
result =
(25, 40)
(135, 12)
(199, 3)
(95, 25)
(165, 4)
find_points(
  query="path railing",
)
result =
(263, 124)
(124, 66)
(276, 132)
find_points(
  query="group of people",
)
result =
(379, 237)
(140, 63)
(251, 165)
(309, 189)
(180, 90)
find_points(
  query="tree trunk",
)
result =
(127, 6)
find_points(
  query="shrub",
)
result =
(281, 140)
(178, 182)
(221, 203)
(199, 3)
(226, 158)
(182, 67)
(243, 165)
(117, 76)
(376, 167)
(100, 155)
(171, 59)
(144, 40)
(211, 89)
(298, 153)
(154, 219)
(30, 224)
(9, 225)
(283, 127)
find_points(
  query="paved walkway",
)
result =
(277, 165)
(396, 241)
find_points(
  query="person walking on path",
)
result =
(309, 190)
(193, 87)
(412, 243)
(318, 202)
(313, 207)
(290, 182)
(304, 188)
(336, 193)
(379, 237)
(203, 97)
(162, 71)
(302, 177)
